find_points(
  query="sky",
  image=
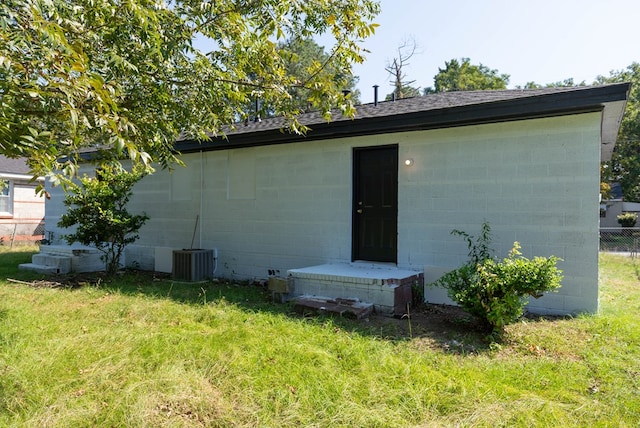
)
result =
(542, 41)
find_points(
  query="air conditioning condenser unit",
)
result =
(192, 265)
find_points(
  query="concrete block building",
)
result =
(380, 193)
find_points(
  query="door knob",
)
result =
(359, 211)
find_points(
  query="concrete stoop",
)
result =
(62, 259)
(386, 287)
(48, 263)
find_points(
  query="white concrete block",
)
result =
(163, 259)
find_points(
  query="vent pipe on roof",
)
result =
(375, 95)
(393, 96)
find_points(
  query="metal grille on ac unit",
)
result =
(192, 265)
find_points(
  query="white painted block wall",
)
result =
(263, 208)
(289, 206)
(536, 182)
(53, 209)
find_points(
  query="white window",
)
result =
(6, 197)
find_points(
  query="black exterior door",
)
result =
(375, 204)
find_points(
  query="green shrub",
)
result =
(627, 219)
(97, 206)
(496, 291)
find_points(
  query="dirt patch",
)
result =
(434, 327)
(447, 328)
(64, 281)
(42, 283)
(85, 279)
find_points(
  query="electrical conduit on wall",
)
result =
(200, 215)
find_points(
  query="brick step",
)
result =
(352, 308)
(385, 286)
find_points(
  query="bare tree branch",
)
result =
(396, 68)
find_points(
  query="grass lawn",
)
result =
(140, 351)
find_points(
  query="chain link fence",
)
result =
(620, 239)
(20, 232)
(612, 239)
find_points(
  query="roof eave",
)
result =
(611, 119)
(22, 177)
(610, 99)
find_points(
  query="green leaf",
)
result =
(126, 74)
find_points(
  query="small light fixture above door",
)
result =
(408, 162)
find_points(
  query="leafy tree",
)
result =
(464, 76)
(605, 188)
(396, 69)
(305, 60)
(624, 166)
(125, 75)
(566, 83)
(97, 207)
(404, 91)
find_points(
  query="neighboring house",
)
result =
(611, 208)
(365, 207)
(21, 209)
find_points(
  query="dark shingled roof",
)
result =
(440, 110)
(386, 109)
(13, 166)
